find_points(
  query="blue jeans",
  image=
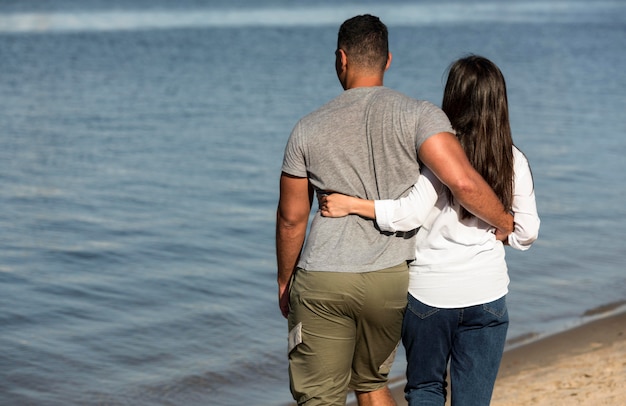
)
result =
(470, 338)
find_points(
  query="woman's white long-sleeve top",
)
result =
(459, 262)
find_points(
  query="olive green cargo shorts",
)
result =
(344, 329)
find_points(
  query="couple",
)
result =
(344, 291)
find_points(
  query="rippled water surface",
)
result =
(140, 151)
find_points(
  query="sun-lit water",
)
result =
(140, 150)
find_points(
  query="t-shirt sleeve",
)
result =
(432, 120)
(294, 162)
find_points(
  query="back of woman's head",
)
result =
(476, 103)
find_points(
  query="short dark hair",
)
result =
(364, 38)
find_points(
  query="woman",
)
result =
(458, 282)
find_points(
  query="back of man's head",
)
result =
(364, 39)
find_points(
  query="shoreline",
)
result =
(585, 364)
(581, 366)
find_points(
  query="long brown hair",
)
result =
(476, 103)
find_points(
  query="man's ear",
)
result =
(388, 61)
(342, 58)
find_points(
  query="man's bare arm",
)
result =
(294, 206)
(445, 157)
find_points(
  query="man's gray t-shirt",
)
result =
(363, 143)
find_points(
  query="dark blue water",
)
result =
(140, 149)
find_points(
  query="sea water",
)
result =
(140, 151)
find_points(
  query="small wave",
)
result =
(522, 339)
(391, 14)
(195, 387)
(29, 192)
(606, 309)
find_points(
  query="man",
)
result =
(344, 292)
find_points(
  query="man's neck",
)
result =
(364, 81)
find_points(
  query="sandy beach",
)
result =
(582, 366)
(585, 365)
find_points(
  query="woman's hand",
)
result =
(336, 205)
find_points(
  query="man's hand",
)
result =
(502, 236)
(283, 299)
